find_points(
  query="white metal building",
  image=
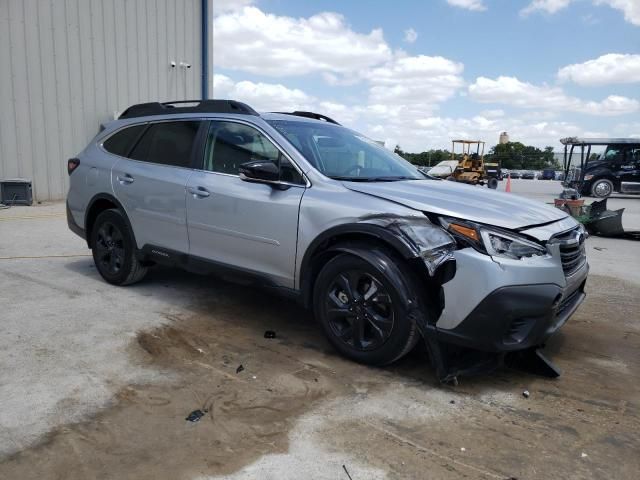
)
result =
(68, 65)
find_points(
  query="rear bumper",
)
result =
(73, 226)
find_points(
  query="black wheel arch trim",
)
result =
(356, 231)
(344, 232)
(112, 199)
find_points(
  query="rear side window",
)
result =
(167, 143)
(121, 142)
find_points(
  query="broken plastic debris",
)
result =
(584, 455)
(462, 449)
(452, 402)
(195, 416)
(200, 350)
(254, 377)
(239, 369)
(269, 334)
(525, 394)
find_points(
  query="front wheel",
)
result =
(113, 250)
(492, 183)
(602, 188)
(365, 313)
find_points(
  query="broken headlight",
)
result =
(492, 241)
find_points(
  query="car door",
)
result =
(630, 169)
(249, 226)
(151, 184)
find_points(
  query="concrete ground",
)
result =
(96, 381)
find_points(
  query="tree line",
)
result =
(511, 155)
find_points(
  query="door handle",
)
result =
(199, 192)
(125, 179)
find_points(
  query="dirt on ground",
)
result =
(291, 404)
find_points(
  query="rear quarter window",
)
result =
(122, 142)
(167, 143)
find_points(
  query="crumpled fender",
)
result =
(413, 238)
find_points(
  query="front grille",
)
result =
(572, 252)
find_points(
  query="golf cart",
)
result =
(617, 169)
(471, 167)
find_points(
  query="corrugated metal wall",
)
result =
(68, 65)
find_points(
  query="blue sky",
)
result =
(539, 69)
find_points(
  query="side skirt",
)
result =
(153, 254)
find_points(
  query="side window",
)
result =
(229, 145)
(614, 154)
(121, 142)
(167, 143)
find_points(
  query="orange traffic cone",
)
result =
(508, 188)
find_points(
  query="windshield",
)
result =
(343, 154)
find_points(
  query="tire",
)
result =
(602, 188)
(451, 178)
(389, 330)
(492, 183)
(113, 249)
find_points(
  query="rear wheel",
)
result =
(602, 188)
(364, 313)
(113, 250)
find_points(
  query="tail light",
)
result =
(72, 164)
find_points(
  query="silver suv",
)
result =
(381, 253)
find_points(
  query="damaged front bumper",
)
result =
(501, 306)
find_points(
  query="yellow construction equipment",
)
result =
(471, 166)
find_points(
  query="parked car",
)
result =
(515, 174)
(528, 175)
(548, 174)
(295, 202)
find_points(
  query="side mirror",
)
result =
(259, 172)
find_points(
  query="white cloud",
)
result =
(474, 5)
(630, 8)
(410, 35)
(225, 6)
(548, 6)
(262, 96)
(266, 44)
(604, 70)
(418, 80)
(511, 91)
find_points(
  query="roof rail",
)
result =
(195, 106)
(315, 116)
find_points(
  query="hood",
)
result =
(468, 202)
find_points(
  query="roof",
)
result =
(467, 141)
(598, 141)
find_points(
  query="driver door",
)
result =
(249, 226)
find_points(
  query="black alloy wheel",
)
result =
(113, 247)
(367, 304)
(109, 245)
(359, 310)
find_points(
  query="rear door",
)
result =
(250, 226)
(151, 183)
